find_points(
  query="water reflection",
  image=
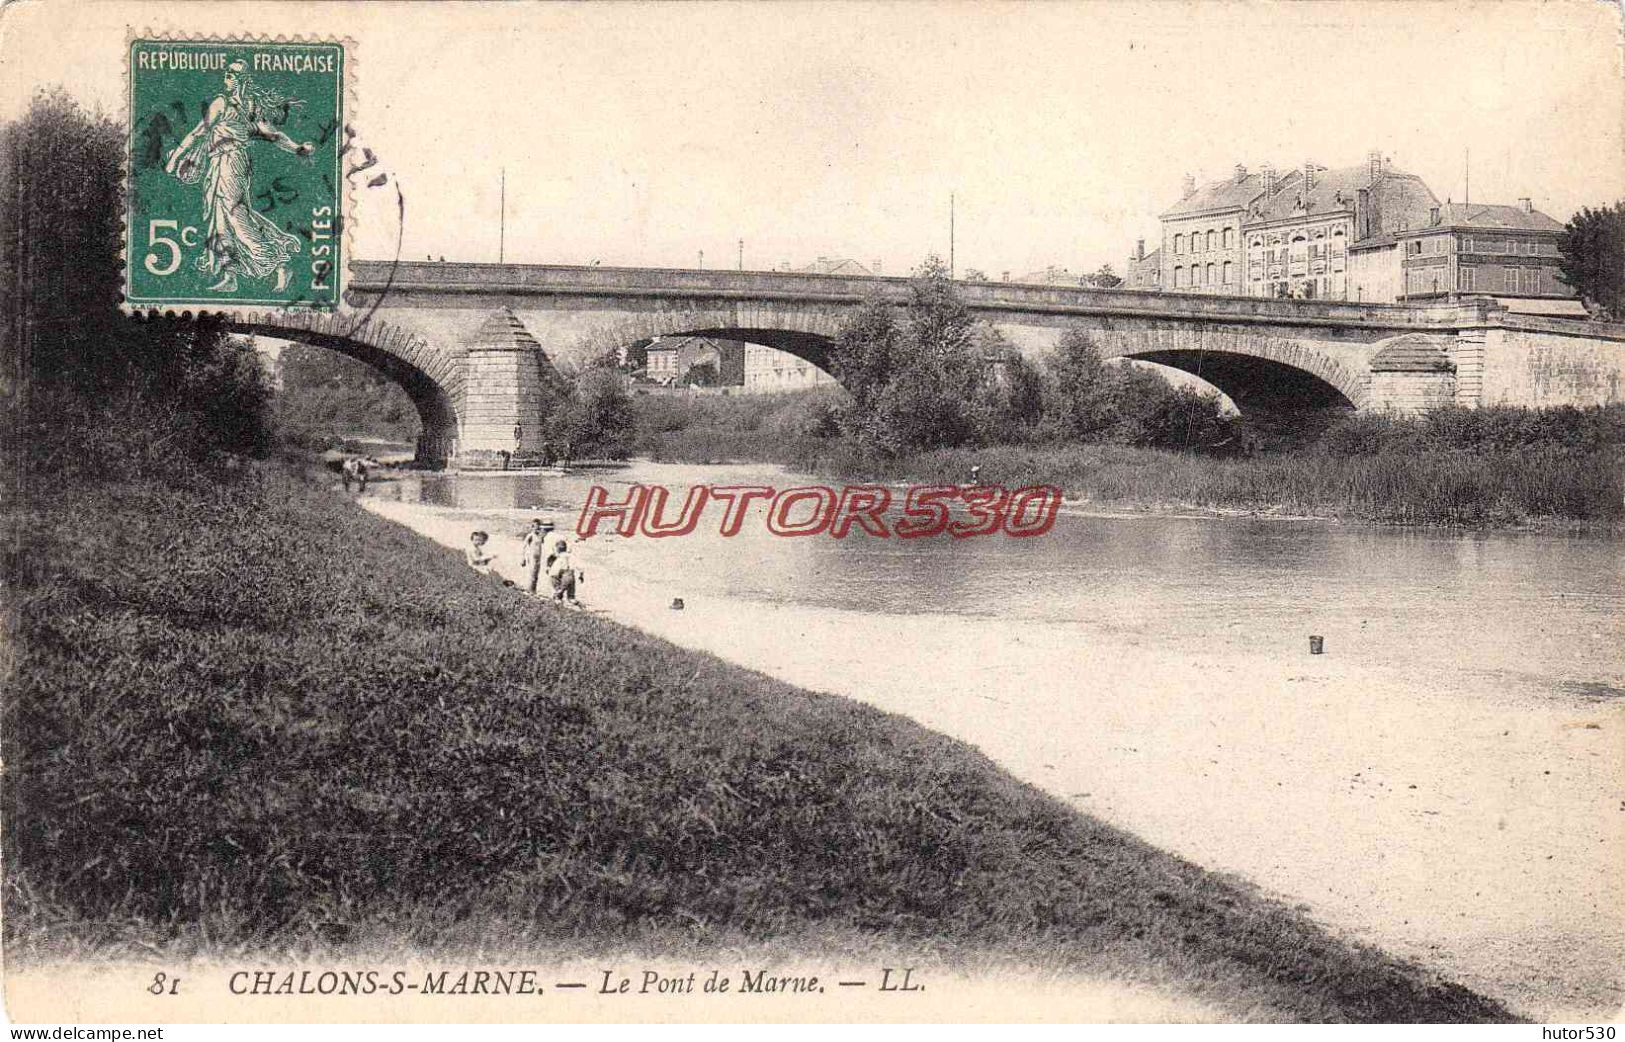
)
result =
(1504, 602)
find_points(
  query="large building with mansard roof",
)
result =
(1285, 234)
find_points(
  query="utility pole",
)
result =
(702, 260)
(1467, 164)
(950, 236)
(741, 254)
(502, 221)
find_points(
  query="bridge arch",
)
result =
(431, 378)
(1273, 374)
(807, 332)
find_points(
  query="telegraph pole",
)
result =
(950, 236)
(502, 221)
(741, 254)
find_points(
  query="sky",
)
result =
(643, 134)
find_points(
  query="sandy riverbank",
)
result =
(1476, 828)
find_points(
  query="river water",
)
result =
(1445, 781)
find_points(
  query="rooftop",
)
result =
(1333, 191)
(1495, 216)
(1229, 194)
(834, 266)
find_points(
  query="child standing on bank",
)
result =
(563, 574)
(541, 531)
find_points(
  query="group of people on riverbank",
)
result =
(546, 553)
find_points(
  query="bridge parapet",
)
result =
(373, 278)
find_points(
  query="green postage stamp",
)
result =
(235, 192)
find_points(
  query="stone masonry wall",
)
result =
(1544, 369)
(502, 391)
(1412, 393)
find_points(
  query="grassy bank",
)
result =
(248, 716)
(1458, 467)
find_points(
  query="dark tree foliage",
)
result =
(88, 388)
(1593, 249)
(1105, 278)
(1090, 399)
(913, 373)
(702, 374)
(328, 394)
(597, 420)
(927, 375)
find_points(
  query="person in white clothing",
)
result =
(563, 574)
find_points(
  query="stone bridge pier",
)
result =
(509, 389)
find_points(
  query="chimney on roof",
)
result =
(1269, 180)
(1241, 173)
(1528, 204)
(1373, 160)
(1139, 249)
(1190, 185)
(1308, 175)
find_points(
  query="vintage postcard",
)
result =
(538, 513)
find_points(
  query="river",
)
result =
(1445, 781)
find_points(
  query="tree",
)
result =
(702, 374)
(1009, 402)
(867, 352)
(976, 275)
(914, 372)
(1593, 249)
(97, 390)
(1078, 402)
(597, 420)
(1105, 278)
(328, 394)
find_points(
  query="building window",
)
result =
(1467, 244)
(1179, 277)
(1467, 281)
(1532, 278)
(1210, 240)
(1229, 241)
(1179, 245)
(1229, 273)
(1509, 279)
(1208, 279)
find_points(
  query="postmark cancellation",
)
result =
(234, 193)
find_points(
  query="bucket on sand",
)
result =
(1317, 645)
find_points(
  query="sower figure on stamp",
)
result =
(240, 240)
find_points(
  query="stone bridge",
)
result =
(474, 344)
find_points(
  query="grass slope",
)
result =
(241, 714)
